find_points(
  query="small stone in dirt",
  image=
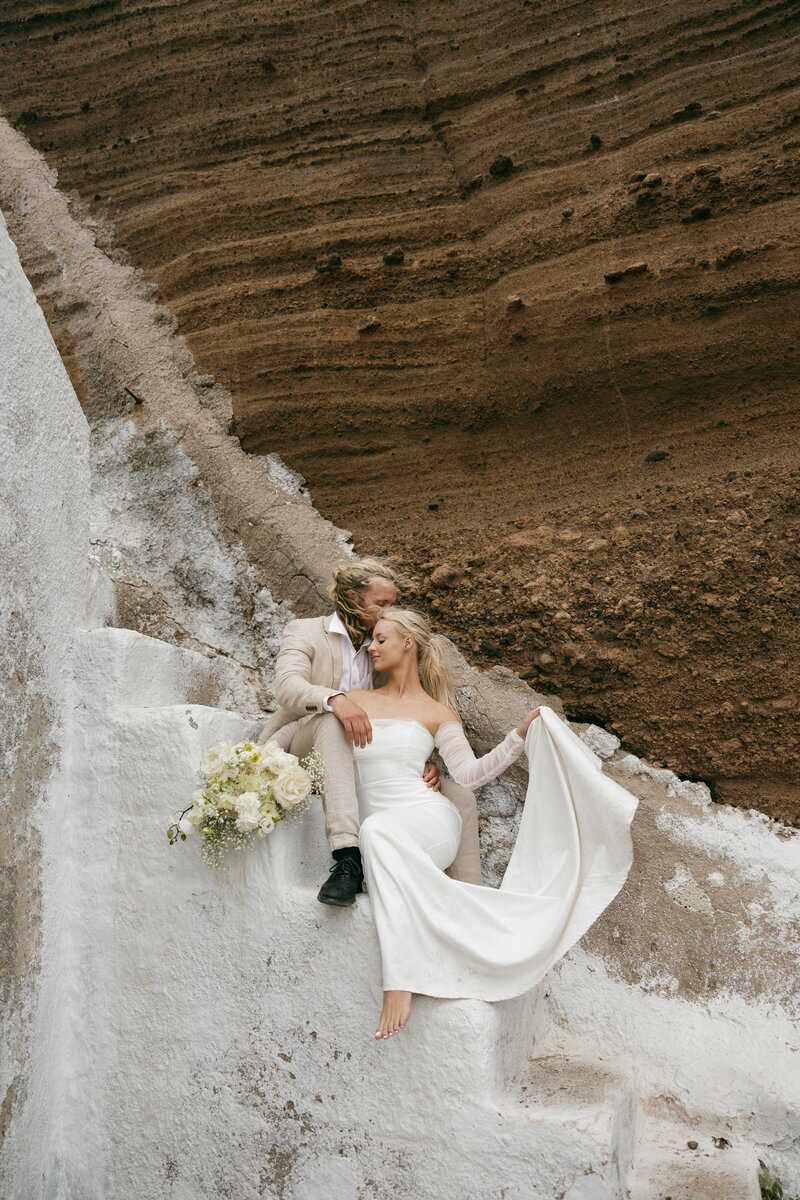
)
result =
(692, 1145)
(656, 456)
(393, 258)
(733, 255)
(445, 576)
(433, 507)
(490, 650)
(596, 675)
(371, 325)
(267, 66)
(637, 177)
(567, 213)
(454, 45)
(328, 262)
(652, 180)
(638, 268)
(514, 303)
(595, 142)
(721, 1143)
(639, 512)
(205, 381)
(501, 166)
(700, 212)
(729, 478)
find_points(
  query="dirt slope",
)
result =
(490, 401)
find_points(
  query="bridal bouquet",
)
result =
(248, 789)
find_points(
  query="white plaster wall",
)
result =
(44, 481)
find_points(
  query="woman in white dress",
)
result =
(441, 937)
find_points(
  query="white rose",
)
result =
(266, 824)
(215, 758)
(275, 760)
(248, 806)
(291, 787)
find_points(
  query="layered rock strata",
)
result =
(476, 269)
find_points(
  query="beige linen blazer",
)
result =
(308, 670)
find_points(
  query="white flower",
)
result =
(185, 825)
(215, 758)
(275, 760)
(195, 817)
(291, 787)
(266, 824)
(248, 806)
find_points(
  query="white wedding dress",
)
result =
(441, 937)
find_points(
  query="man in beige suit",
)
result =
(320, 660)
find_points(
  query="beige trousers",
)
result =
(325, 733)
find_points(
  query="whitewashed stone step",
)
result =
(232, 1015)
(588, 1101)
(668, 1170)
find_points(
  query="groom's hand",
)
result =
(430, 777)
(355, 720)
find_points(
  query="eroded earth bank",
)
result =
(401, 237)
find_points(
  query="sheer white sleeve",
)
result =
(461, 762)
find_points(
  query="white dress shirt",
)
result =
(355, 663)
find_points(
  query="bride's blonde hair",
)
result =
(434, 674)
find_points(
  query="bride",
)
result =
(439, 936)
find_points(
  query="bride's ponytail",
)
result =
(434, 673)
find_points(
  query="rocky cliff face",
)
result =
(515, 288)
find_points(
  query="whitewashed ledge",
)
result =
(171, 1032)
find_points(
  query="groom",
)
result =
(320, 660)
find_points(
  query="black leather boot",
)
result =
(344, 882)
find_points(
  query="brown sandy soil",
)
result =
(487, 404)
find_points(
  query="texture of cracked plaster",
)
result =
(615, 998)
(156, 533)
(44, 481)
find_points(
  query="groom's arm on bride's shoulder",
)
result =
(293, 687)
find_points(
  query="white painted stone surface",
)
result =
(44, 480)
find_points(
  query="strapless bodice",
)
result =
(389, 770)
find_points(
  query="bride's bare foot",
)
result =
(394, 1014)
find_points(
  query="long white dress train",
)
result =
(441, 937)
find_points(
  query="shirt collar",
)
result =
(337, 626)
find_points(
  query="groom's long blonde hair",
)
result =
(434, 673)
(354, 576)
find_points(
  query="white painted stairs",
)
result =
(210, 1035)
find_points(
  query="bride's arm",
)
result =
(460, 760)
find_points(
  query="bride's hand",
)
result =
(522, 729)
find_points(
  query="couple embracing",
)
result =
(369, 688)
